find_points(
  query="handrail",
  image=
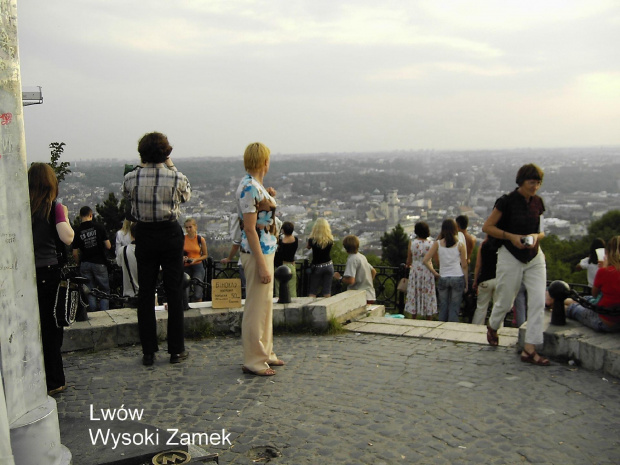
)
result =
(385, 282)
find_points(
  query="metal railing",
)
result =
(385, 282)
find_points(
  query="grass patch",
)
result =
(201, 330)
(334, 327)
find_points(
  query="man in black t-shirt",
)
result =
(89, 250)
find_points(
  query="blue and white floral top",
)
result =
(252, 197)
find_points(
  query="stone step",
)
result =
(457, 332)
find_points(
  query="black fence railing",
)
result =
(385, 282)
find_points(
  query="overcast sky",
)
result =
(308, 76)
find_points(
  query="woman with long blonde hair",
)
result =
(123, 236)
(321, 241)
(50, 225)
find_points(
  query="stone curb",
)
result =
(113, 328)
(584, 346)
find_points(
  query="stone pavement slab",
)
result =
(456, 332)
(355, 399)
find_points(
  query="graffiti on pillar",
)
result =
(6, 118)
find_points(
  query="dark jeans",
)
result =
(97, 275)
(51, 336)
(321, 278)
(160, 244)
(450, 291)
(194, 271)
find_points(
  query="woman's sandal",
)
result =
(492, 336)
(267, 372)
(276, 363)
(531, 358)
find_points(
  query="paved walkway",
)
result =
(350, 399)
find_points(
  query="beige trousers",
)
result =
(257, 324)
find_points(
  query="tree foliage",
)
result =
(111, 214)
(394, 246)
(606, 227)
(60, 168)
(337, 253)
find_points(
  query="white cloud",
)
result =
(319, 75)
(513, 15)
(600, 85)
(455, 68)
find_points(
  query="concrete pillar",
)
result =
(31, 415)
(6, 452)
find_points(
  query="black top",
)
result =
(45, 238)
(522, 217)
(320, 255)
(287, 251)
(89, 238)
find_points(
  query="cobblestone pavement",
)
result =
(356, 399)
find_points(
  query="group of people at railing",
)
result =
(152, 240)
(510, 269)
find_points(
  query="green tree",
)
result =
(561, 258)
(374, 260)
(111, 214)
(605, 227)
(338, 254)
(61, 169)
(394, 246)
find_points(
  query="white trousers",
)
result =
(486, 291)
(510, 274)
(257, 324)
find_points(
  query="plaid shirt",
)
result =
(154, 193)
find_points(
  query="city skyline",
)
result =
(316, 77)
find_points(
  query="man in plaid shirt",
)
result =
(153, 192)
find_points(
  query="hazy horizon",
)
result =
(386, 153)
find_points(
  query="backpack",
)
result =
(204, 262)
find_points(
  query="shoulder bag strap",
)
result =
(133, 285)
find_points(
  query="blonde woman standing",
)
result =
(256, 208)
(321, 241)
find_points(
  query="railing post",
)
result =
(305, 277)
(206, 295)
(400, 304)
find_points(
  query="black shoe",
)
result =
(148, 359)
(177, 358)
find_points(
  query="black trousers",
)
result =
(51, 336)
(160, 244)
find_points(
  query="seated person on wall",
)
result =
(358, 273)
(194, 255)
(607, 283)
(594, 261)
(126, 259)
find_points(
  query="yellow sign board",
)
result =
(226, 293)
